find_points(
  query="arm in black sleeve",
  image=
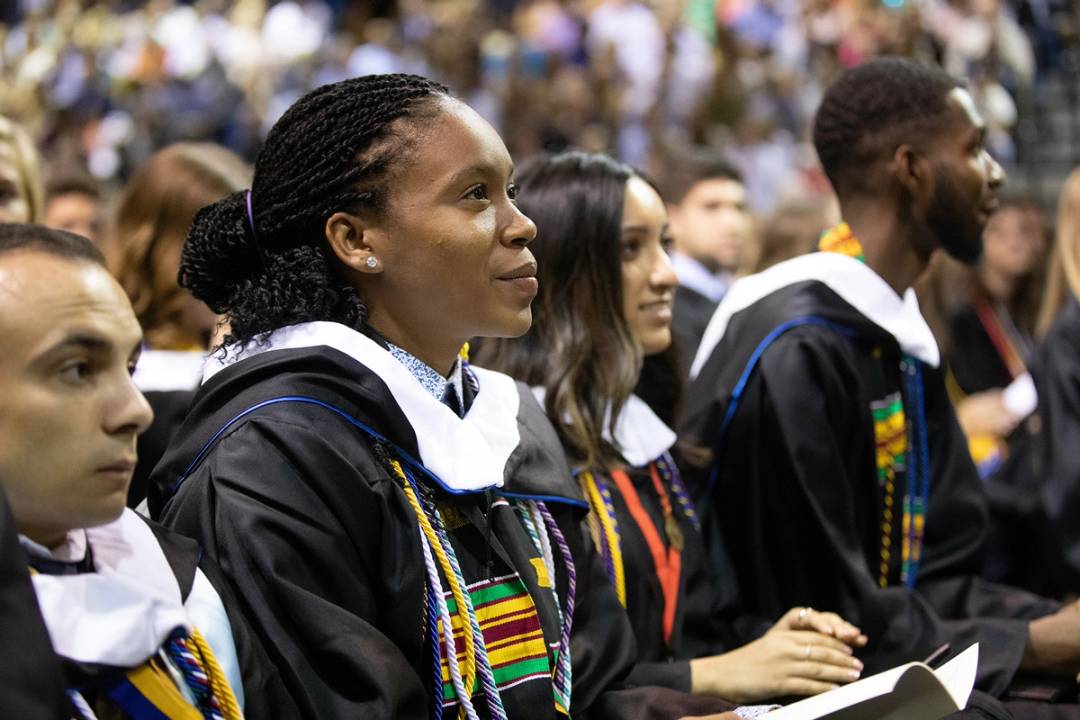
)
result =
(800, 485)
(31, 681)
(321, 562)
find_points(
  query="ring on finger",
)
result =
(809, 647)
(803, 612)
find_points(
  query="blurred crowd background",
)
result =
(102, 85)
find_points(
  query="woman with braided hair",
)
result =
(606, 288)
(400, 529)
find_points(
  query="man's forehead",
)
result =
(963, 101)
(41, 294)
(726, 188)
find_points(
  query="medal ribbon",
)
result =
(667, 561)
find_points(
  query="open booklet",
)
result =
(908, 692)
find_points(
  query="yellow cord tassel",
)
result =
(222, 691)
(448, 571)
(600, 512)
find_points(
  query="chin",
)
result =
(656, 345)
(511, 327)
(104, 512)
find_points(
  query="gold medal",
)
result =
(674, 532)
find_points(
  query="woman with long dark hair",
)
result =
(606, 288)
(142, 246)
(400, 529)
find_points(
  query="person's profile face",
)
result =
(69, 411)
(452, 242)
(14, 203)
(713, 223)
(75, 212)
(966, 180)
(1013, 242)
(648, 279)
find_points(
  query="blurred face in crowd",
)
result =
(713, 224)
(648, 279)
(966, 180)
(69, 411)
(451, 246)
(1014, 241)
(76, 213)
(14, 202)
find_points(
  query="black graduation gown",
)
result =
(31, 682)
(169, 408)
(1057, 379)
(974, 361)
(690, 316)
(321, 548)
(794, 496)
(1017, 523)
(696, 630)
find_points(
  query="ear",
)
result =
(913, 172)
(354, 242)
(675, 223)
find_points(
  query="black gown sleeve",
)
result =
(1059, 400)
(31, 681)
(312, 547)
(798, 484)
(603, 650)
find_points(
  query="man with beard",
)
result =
(840, 478)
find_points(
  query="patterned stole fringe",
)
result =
(608, 543)
(433, 542)
(841, 240)
(918, 472)
(150, 690)
(670, 472)
(540, 524)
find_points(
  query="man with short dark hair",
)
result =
(124, 601)
(710, 225)
(841, 478)
(73, 203)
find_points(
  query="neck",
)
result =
(46, 537)
(886, 241)
(709, 263)
(999, 286)
(433, 351)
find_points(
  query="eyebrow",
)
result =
(90, 342)
(476, 169)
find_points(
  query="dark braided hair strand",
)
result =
(328, 153)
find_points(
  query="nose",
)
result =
(662, 273)
(519, 230)
(995, 174)
(129, 412)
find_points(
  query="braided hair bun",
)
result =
(328, 153)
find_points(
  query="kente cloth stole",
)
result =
(901, 444)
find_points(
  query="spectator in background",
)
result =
(142, 247)
(984, 318)
(1058, 382)
(21, 193)
(792, 230)
(993, 329)
(74, 203)
(711, 226)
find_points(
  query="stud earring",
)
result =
(372, 262)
